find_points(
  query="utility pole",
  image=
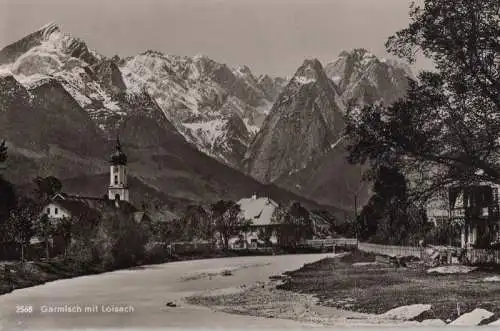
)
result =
(356, 214)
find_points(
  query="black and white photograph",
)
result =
(249, 164)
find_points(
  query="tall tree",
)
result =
(227, 220)
(447, 129)
(64, 229)
(197, 223)
(44, 229)
(295, 224)
(389, 217)
(7, 192)
(3, 152)
(7, 200)
(47, 187)
(19, 226)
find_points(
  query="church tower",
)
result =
(118, 187)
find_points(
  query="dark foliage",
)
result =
(295, 225)
(47, 187)
(7, 199)
(389, 218)
(3, 152)
(19, 227)
(227, 220)
(197, 223)
(7, 192)
(446, 130)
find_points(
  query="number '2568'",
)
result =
(24, 309)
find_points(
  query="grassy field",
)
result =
(377, 288)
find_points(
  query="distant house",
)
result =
(259, 211)
(474, 207)
(66, 206)
(87, 208)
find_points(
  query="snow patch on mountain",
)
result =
(197, 94)
(304, 80)
(252, 128)
(210, 131)
(188, 90)
(363, 78)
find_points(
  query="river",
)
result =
(136, 298)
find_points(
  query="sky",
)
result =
(269, 36)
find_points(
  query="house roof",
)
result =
(91, 206)
(257, 210)
(76, 208)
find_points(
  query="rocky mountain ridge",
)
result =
(215, 107)
(363, 78)
(207, 102)
(168, 108)
(300, 146)
(58, 113)
(309, 109)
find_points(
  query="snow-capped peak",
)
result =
(308, 72)
(304, 79)
(243, 70)
(364, 78)
(48, 29)
(200, 57)
(357, 53)
(216, 107)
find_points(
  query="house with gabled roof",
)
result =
(474, 207)
(259, 212)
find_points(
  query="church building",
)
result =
(118, 197)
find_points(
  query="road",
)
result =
(141, 295)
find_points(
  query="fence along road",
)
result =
(392, 250)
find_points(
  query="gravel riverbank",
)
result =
(354, 290)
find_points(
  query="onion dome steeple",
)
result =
(118, 157)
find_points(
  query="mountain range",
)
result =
(195, 130)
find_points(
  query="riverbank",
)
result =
(354, 289)
(263, 299)
(358, 283)
(17, 275)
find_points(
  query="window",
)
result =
(48, 210)
(116, 179)
(56, 210)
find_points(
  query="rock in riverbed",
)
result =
(406, 313)
(473, 318)
(452, 269)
